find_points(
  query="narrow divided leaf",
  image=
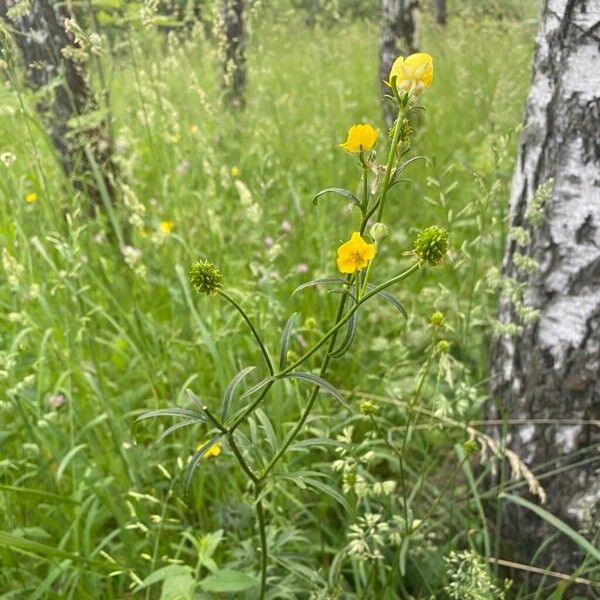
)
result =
(340, 191)
(230, 390)
(314, 282)
(391, 299)
(196, 459)
(171, 412)
(319, 381)
(259, 386)
(285, 340)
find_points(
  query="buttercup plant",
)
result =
(356, 259)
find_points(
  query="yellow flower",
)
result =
(214, 450)
(235, 171)
(175, 138)
(31, 197)
(355, 254)
(360, 137)
(414, 73)
(193, 129)
(167, 227)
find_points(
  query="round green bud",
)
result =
(379, 232)
(438, 319)
(205, 277)
(431, 245)
(366, 407)
(443, 346)
(470, 447)
(310, 323)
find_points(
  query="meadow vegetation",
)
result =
(99, 323)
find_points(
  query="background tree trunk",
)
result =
(552, 370)
(232, 50)
(399, 36)
(47, 49)
(440, 12)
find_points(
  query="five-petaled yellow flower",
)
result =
(214, 450)
(167, 227)
(31, 197)
(355, 254)
(413, 73)
(360, 137)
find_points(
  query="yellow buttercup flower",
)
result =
(213, 451)
(167, 227)
(355, 254)
(31, 197)
(360, 137)
(413, 73)
(235, 171)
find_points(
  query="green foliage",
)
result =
(99, 324)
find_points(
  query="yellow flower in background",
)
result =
(167, 227)
(413, 73)
(360, 137)
(31, 197)
(213, 451)
(174, 138)
(235, 171)
(355, 254)
(194, 129)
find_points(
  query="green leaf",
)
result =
(197, 458)
(349, 337)
(171, 412)
(43, 550)
(584, 544)
(64, 463)
(228, 580)
(340, 191)
(390, 298)
(259, 386)
(285, 340)
(164, 574)
(319, 381)
(39, 493)
(314, 282)
(171, 429)
(230, 390)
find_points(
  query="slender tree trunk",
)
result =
(399, 36)
(552, 369)
(232, 50)
(48, 52)
(440, 12)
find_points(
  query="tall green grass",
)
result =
(84, 492)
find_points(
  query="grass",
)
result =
(81, 488)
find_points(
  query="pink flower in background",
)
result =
(302, 268)
(268, 241)
(56, 400)
(286, 227)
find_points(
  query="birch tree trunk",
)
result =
(399, 36)
(49, 54)
(552, 370)
(440, 12)
(232, 50)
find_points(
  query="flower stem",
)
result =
(246, 318)
(390, 163)
(264, 556)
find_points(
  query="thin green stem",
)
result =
(390, 163)
(246, 318)
(260, 515)
(241, 460)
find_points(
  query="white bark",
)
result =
(552, 370)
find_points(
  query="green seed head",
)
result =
(367, 407)
(443, 346)
(205, 277)
(438, 319)
(431, 245)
